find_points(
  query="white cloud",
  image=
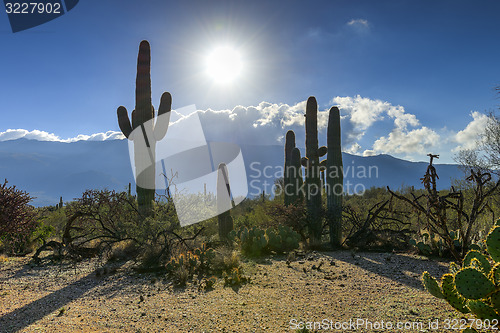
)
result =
(358, 22)
(418, 141)
(361, 26)
(13, 134)
(266, 124)
(353, 149)
(469, 137)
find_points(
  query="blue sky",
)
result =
(410, 77)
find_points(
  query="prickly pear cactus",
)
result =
(284, 239)
(474, 287)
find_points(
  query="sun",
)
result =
(224, 64)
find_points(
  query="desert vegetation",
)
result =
(311, 218)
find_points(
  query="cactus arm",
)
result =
(163, 119)
(123, 121)
(322, 151)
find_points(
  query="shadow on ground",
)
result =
(400, 268)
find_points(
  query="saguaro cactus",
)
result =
(312, 164)
(296, 181)
(289, 146)
(150, 131)
(224, 202)
(334, 177)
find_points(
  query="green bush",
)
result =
(255, 242)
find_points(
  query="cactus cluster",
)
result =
(255, 241)
(284, 239)
(195, 262)
(475, 286)
(314, 169)
(433, 245)
(150, 132)
(234, 277)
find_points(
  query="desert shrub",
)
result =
(255, 242)
(55, 218)
(101, 218)
(17, 219)
(293, 216)
(283, 239)
(226, 258)
(234, 277)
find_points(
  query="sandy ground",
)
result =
(368, 289)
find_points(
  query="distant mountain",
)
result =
(48, 170)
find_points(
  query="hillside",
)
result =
(48, 170)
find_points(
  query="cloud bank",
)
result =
(363, 120)
(14, 134)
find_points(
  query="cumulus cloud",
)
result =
(13, 134)
(361, 113)
(417, 141)
(469, 138)
(263, 124)
(267, 123)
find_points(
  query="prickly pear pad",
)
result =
(451, 295)
(472, 284)
(431, 285)
(493, 243)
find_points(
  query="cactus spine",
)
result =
(149, 133)
(334, 178)
(312, 164)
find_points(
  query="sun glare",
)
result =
(224, 64)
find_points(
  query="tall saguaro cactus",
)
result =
(289, 146)
(334, 177)
(224, 202)
(312, 164)
(150, 131)
(296, 180)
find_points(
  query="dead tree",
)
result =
(437, 208)
(382, 227)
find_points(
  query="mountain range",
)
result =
(48, 170)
